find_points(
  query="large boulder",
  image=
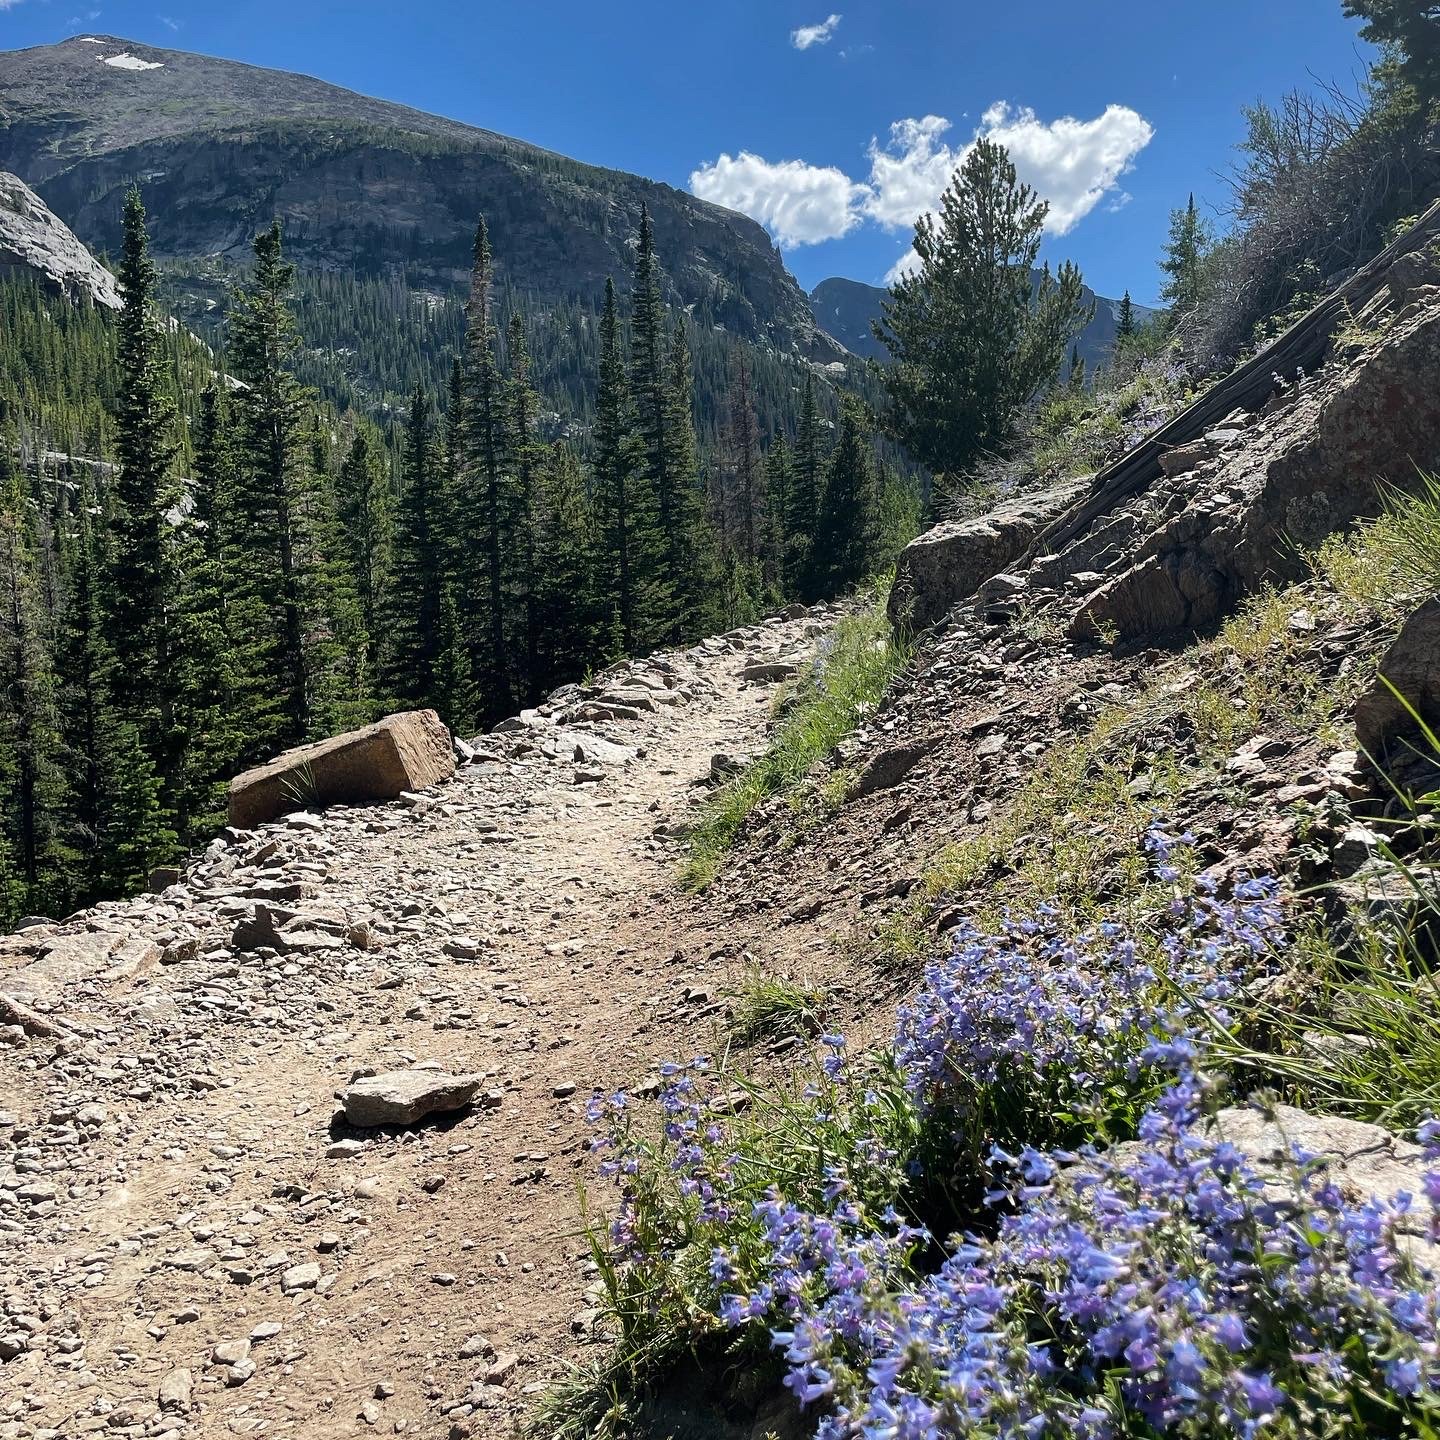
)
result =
(35, 241)
(949, 563)
(408, 751)
(401, 1097)
(1412, 666)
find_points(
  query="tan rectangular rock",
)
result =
(408, 751)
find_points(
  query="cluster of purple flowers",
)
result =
(1038, 1010)
(1166, 1287)
(1163, 1286)
(1162, 395)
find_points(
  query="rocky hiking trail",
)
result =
(193, 1240)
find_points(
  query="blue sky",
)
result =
(835, 123)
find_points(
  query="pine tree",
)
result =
(485, 480)
(1183, 260)
(777, 488)
(452, 692)
(29, 794)
(1077, 369)
(1125, 318)
(420, 578)
(971, 339)
(204, 683)
(571, 619)
(367, 523)
(847, 534)
(271, 484)
(140, 588)
(454, 507)
(802, 563)
(690, 559)
(301, 616)
(524, 451)
(630, 538)
(748, 485)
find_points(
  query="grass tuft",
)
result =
(846, 681)
(768, 1007)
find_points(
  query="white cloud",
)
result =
(799, 204)
(168, 22)
(11, 4)
(1073, 164)
(908, 175)
(808, 35)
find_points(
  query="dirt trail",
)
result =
(163, 1173)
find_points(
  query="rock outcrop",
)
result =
(35, 241)
(405, 752)
(1240, 510)
(1412, 666)
(950, 562)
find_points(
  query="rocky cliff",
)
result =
(361, 184)
(35, 241)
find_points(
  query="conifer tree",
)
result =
(689, 554)
(419, 563)
(748, 485)
(1125, 318)
(485, 479)
(807, 480)
(204, 681)
(631, 542)
(454, 507)
(1077, 369)
(1183, 259)
(452, 692)
(523, 450)
(662, 385)
(847, 534)
(29, 793)
(303, 619)
(272, 483)
(366, 522)
(571, 619)
(971, 339)
(777, 488)
(140, 587)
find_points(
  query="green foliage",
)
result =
(1409, 33)
(970, 340)
(1184, 259)
(861, 658)
(847, 532)
(768, 1006)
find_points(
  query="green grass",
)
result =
(768, 1007)
(826, 705)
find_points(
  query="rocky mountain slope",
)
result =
(361, 184)
(35, 241)
(845, 309)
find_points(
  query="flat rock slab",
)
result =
(408, 751)
(401, 1097)
(66, 961)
